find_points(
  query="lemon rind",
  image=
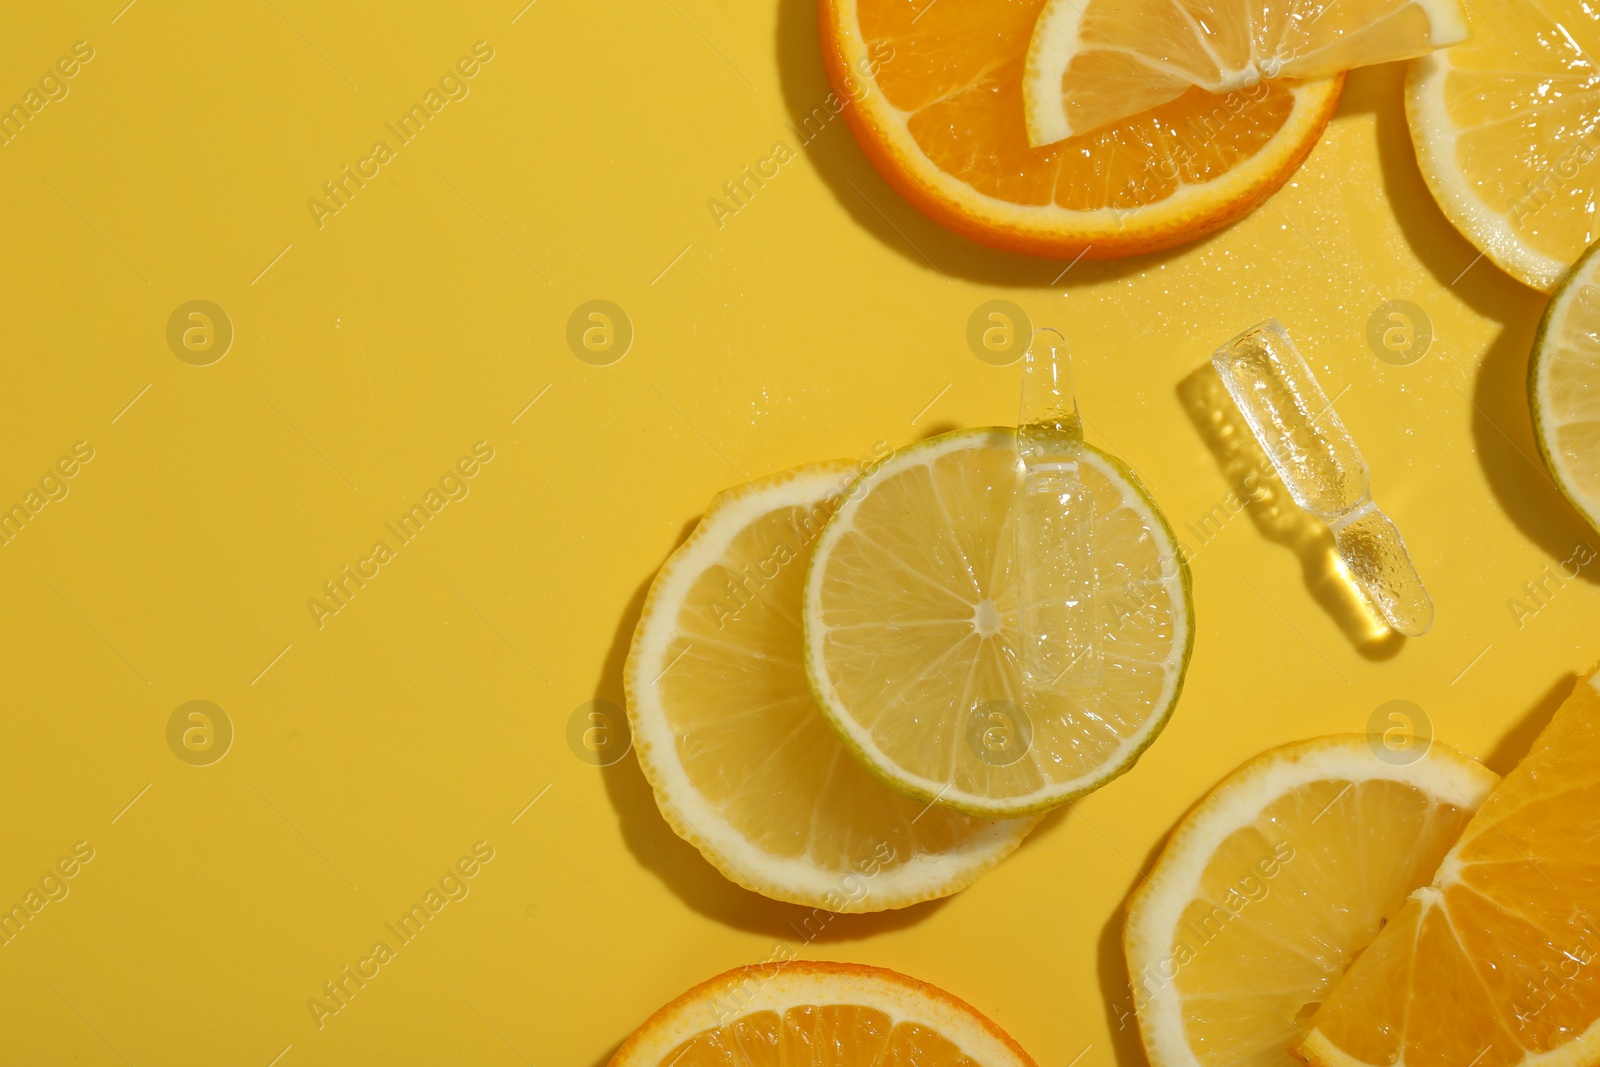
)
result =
(1050, 51)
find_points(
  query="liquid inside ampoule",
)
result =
(1322, 468)
(1054, 517)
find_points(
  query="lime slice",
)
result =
(743, 765)
(912, 635)
(1564, 386)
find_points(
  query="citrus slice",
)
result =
(933, 91)
(1274, 882)
(742, 763)
(797, 1013)
(1092, 63)
(1494, 963)
(911, 627)
(1505, 126)
(1564, 386)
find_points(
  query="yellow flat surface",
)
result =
(376, 346)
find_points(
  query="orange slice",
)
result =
(1497, 963)
(933, 91)
(804, 1014)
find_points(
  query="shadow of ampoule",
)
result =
(1261, 493)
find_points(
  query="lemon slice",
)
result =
(742, 763)
(1564, 387)
(790, 1013)
(1506, 126)
(1095, 62)
(911, 627)
(1275, 882)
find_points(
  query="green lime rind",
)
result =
(1013, 807)
(1547, 345)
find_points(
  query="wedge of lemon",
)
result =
(790, 1013)
(1493, 963)
(1275, 882)
(742, 763)
(1564, 386)
(911, 628)
(1092, 63)
(1507, 125)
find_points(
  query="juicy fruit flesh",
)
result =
(1524, 93)
(1287, 902)
(749, 734)
(955, 67)
(831, 1035)
(928, 557)
(1137, 56)
(1571, 400)
(1496, 961)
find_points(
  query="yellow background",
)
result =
(371, 353)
